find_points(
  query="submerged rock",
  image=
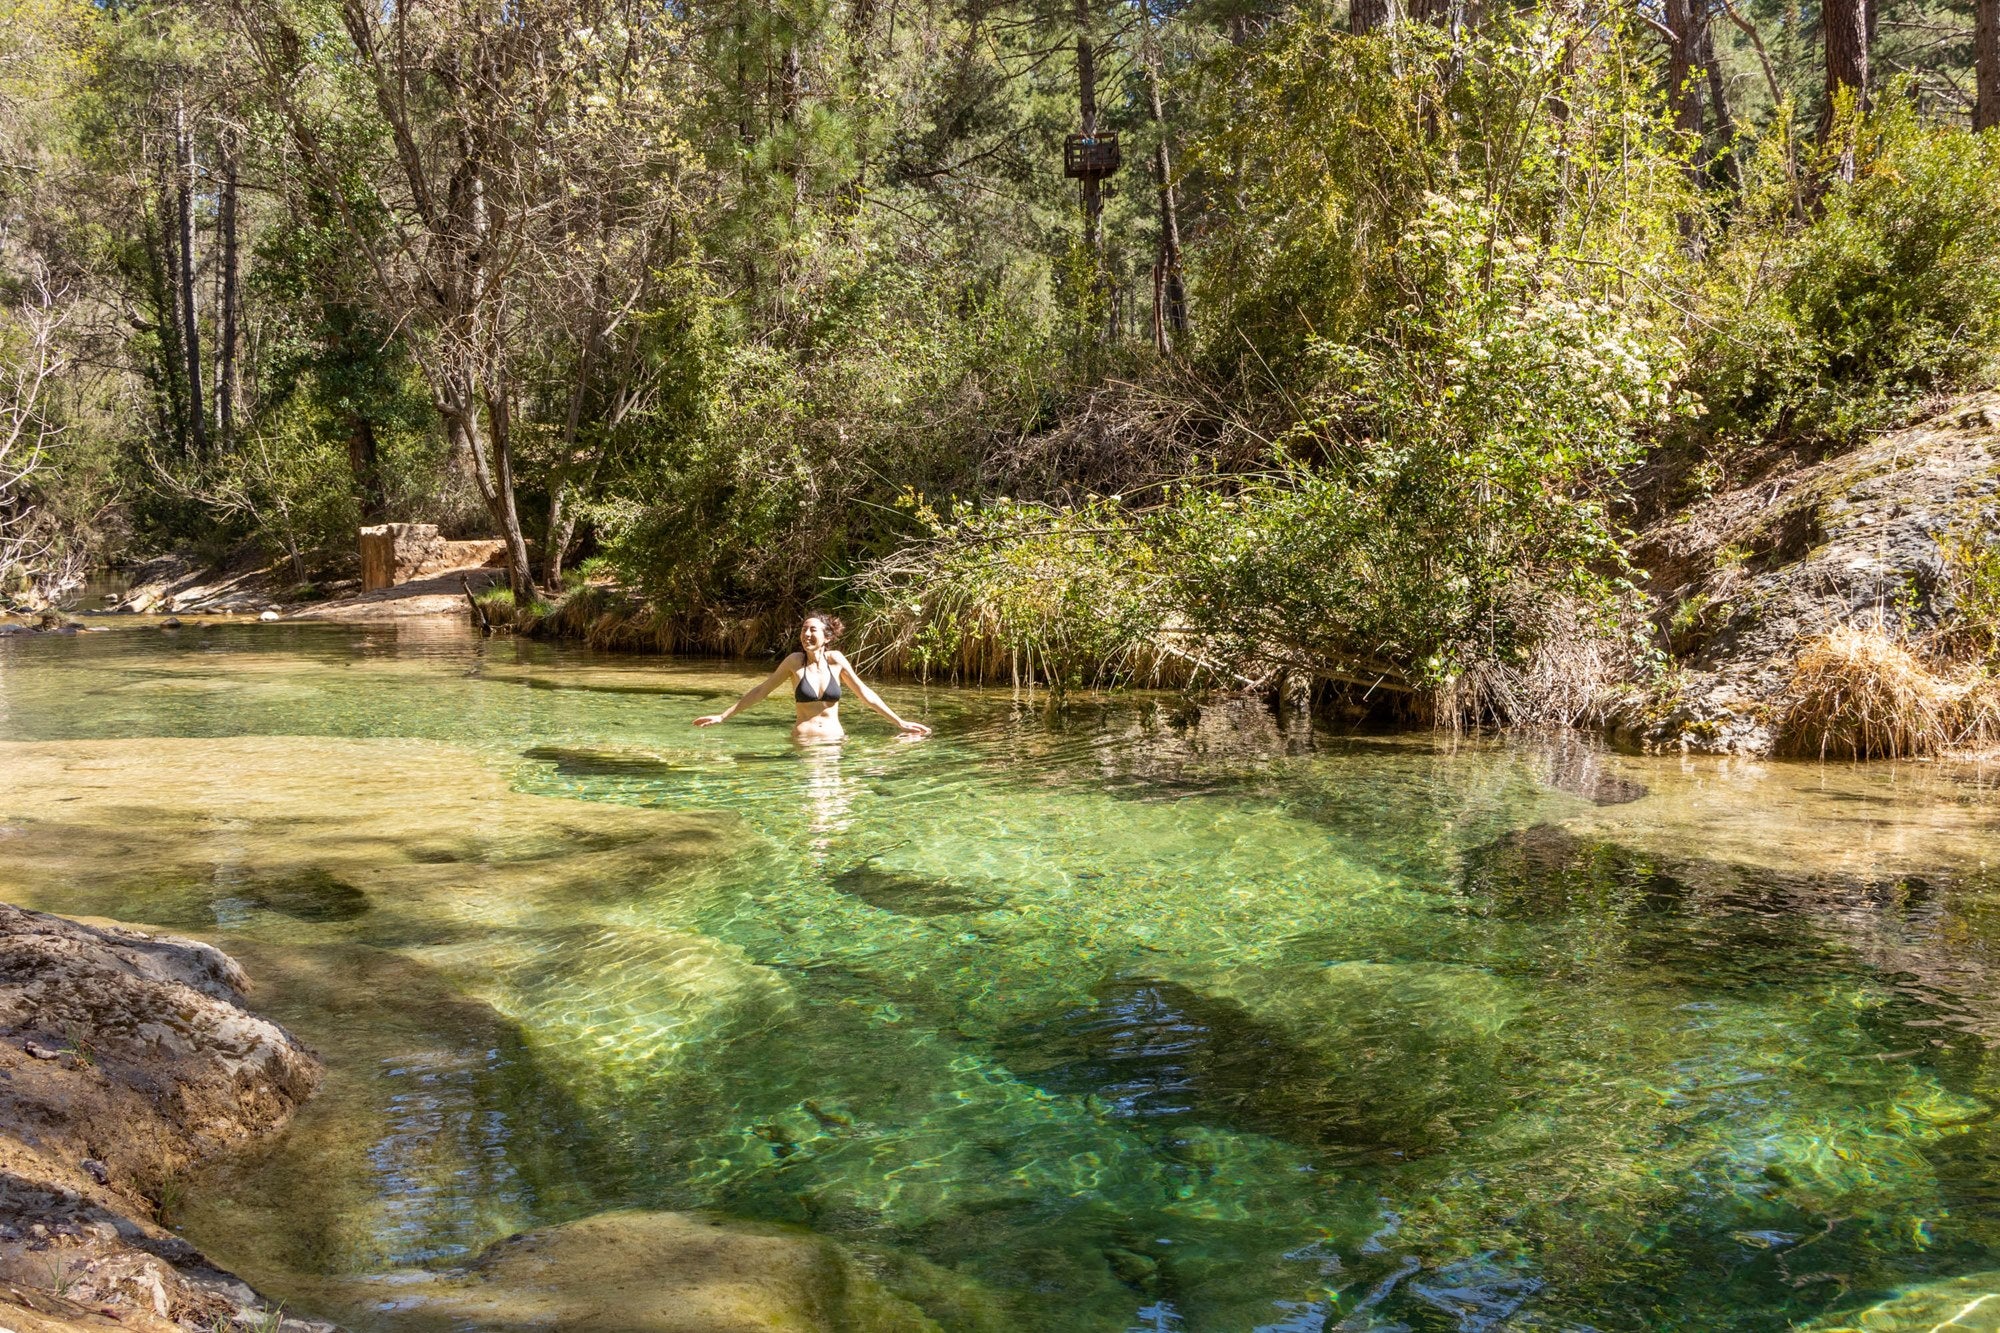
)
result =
(659, 1272)
(125, 1059)
(910, 895)
(1970, 1304)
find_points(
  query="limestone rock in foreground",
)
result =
(1750, 576)
(660, 1272)
(125, 1059)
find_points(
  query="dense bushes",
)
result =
(1462, 323)
(1887, 296)
(1461, 358)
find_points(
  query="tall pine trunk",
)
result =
(1684, 88)
(1846, 28)
(1086, 103)
(1170, 312)
(228, 294)
(1986, 63)
(164, 269)
(184, 171)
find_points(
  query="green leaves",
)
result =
(1889, 294)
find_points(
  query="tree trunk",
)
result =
(1986, 61)
(791, 91)
(1170, 314)
(1365, 16)
(364, 461)
(492, 472)
(1725, 124)
(499, 421)
(229, 296)
(562, 533)
(1684, 22)
(746, 136)
(1086, 102)
(1239, 197)
(165, 263)
(189, 316)
(1846, 26)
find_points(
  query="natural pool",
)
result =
(1109, 1020)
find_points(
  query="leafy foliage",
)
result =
(761, 304)
(1888, 295)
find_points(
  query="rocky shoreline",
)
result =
(126, 1059)
(1748, 575)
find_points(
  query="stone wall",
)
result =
(394, 553)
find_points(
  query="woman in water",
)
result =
(820, 670)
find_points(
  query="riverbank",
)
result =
(1842, 606)
(1874, 564)
(126, 1061)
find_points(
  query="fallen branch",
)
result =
(478, 611)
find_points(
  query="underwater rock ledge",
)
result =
(125, 1060)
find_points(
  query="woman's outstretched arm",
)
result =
(874, 700)
(757, 692)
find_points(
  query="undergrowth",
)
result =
(1860, 692)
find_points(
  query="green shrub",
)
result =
(1010, 590)
(1889, 295)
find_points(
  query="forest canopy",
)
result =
(1346, 369)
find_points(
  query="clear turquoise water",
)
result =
(1103, 1020)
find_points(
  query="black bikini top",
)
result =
(806, 692)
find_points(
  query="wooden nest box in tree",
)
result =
(1090, 157)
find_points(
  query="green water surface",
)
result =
(1121, 1017)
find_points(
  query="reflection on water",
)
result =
(1130, 1018)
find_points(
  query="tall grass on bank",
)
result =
(1861, 693)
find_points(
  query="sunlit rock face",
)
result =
(125, 1060)
(1747, 576)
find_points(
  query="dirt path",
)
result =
(433, 595)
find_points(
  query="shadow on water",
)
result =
(598, 687)
(1166, 1056)
(910, 895)
(440, 1129)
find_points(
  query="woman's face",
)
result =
(812, 635)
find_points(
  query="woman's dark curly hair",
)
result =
(832, 623)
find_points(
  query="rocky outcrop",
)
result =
(125, 1060)
(392, 553)
(1747, 576)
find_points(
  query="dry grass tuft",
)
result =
(1859, 692)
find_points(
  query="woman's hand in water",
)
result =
(913, 728)
(711, 719)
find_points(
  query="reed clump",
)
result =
(1861, 692)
